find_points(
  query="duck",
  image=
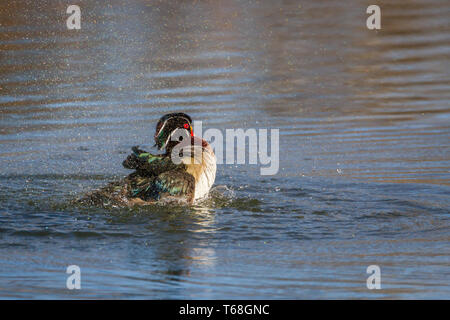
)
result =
(183, 173)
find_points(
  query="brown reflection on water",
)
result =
(353, 102)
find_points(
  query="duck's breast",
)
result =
(208, 175)
(203, 167)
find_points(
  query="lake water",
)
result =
(364, 120)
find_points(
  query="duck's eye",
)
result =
(180, 138)
(186, 126)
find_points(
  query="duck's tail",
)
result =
(113, 194)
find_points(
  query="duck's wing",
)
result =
(173, 183)
(132, 161)
(147, 164)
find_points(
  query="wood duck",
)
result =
(158, 177)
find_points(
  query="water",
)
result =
(364, 148)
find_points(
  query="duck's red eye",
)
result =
(186, 126)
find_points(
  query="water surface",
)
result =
(364, 120)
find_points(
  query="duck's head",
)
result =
(168, 124)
